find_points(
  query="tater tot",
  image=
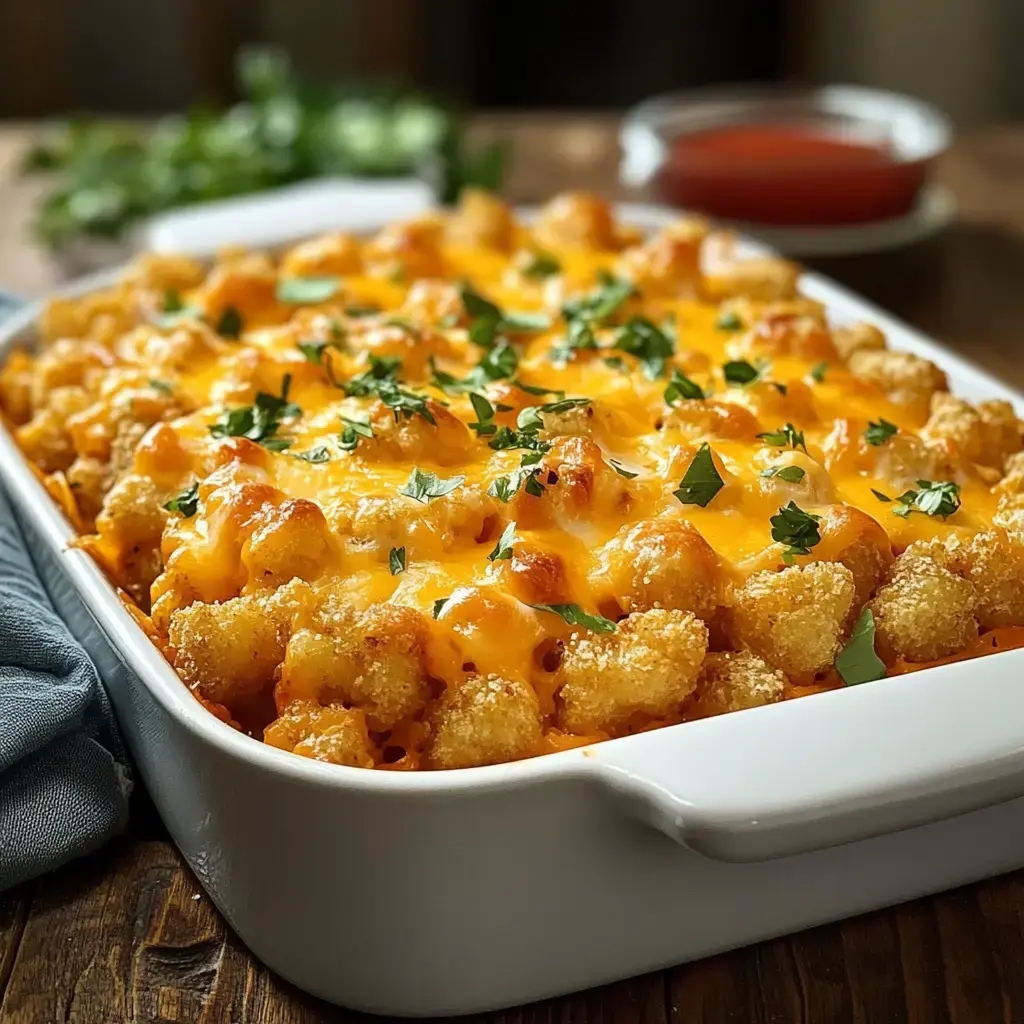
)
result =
(229, 653)
(659, 563)
(481, 219)
(735, 680)
(334, 733)
(333, 255)
(374, 660)
(794, 618)
(853, 538)
(993, 561)
(648, 666)
(576, 220)
(484, 721)
(907, 379)
(924, 610)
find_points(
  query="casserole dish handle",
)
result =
(829, 769)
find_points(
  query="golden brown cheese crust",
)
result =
(421, 500)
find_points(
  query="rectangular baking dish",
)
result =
(452, 892)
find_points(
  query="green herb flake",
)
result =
(313, 350)
(439, 606)
(797, 529)
(484, 425)
(229, 324)
(187, 503)
(173, 302)
(574, 615)
(739, 373)
(785, 437)
(729, 322)
(396, 561)
(791, 474)
(317, 455)
(651, 345)
(701, 481)
(381, 380)
(818, 372)
(681, 388)
(424, 487)
(352, 432)
(307, 291)
(599, 305)
(857, 662)
(622, 472)
(878, 433)
(261, 421)
(503, 549)
(541, 266)
(162, 386)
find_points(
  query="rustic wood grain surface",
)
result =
(128, 936)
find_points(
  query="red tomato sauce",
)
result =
(788, 174)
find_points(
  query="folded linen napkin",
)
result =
(64, 774)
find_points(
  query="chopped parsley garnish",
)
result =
(532, 389)
(818, 372)
(739, 373)
(381, 380)
(315, 455)
(484, 425)
(351, 433)
(541, 265)
(579, 336)
(173, 302)
(616, 363)
(487, 320)
(729, 322)
(785, 437)
(531, 420)
(503, 549)
(498, 363)
(797, 529)
(941, 498)
(403, 325)
(396, 561)
(574, 615)
(187, 503)
(230, 323)
(505, 488)
(162, 386)
(424, 487)
(857, 662)
(880, 432)
(174, 309)
(358, 311)
(260, 422)
(701, 481)
(314, 350)
(791, 474)
(307, 291)
(599, 305)
(622, 472)
(651, 345)
(439, 605)
(680, 387)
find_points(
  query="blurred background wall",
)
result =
(145, 56)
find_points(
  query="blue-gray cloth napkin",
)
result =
(64, 774)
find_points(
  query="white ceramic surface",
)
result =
(452, 892)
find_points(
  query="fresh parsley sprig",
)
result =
(381, 381)
(574, 615)
(503, 549)
(187, 503)
(857, 662)
(651, 345)
(878, 433)
(941, 499)
(424, 487)
(797, 529)
(785, 437)
(681, 388)
(260, 421)
(701, 481)
(307, 291)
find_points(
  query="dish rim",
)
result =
(153, 671)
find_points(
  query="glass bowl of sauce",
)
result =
(829, 157)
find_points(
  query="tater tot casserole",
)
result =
(471, 490)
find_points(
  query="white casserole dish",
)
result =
(453, 892)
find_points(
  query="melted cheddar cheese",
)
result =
(471, 491)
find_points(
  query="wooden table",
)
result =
(127, 935)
